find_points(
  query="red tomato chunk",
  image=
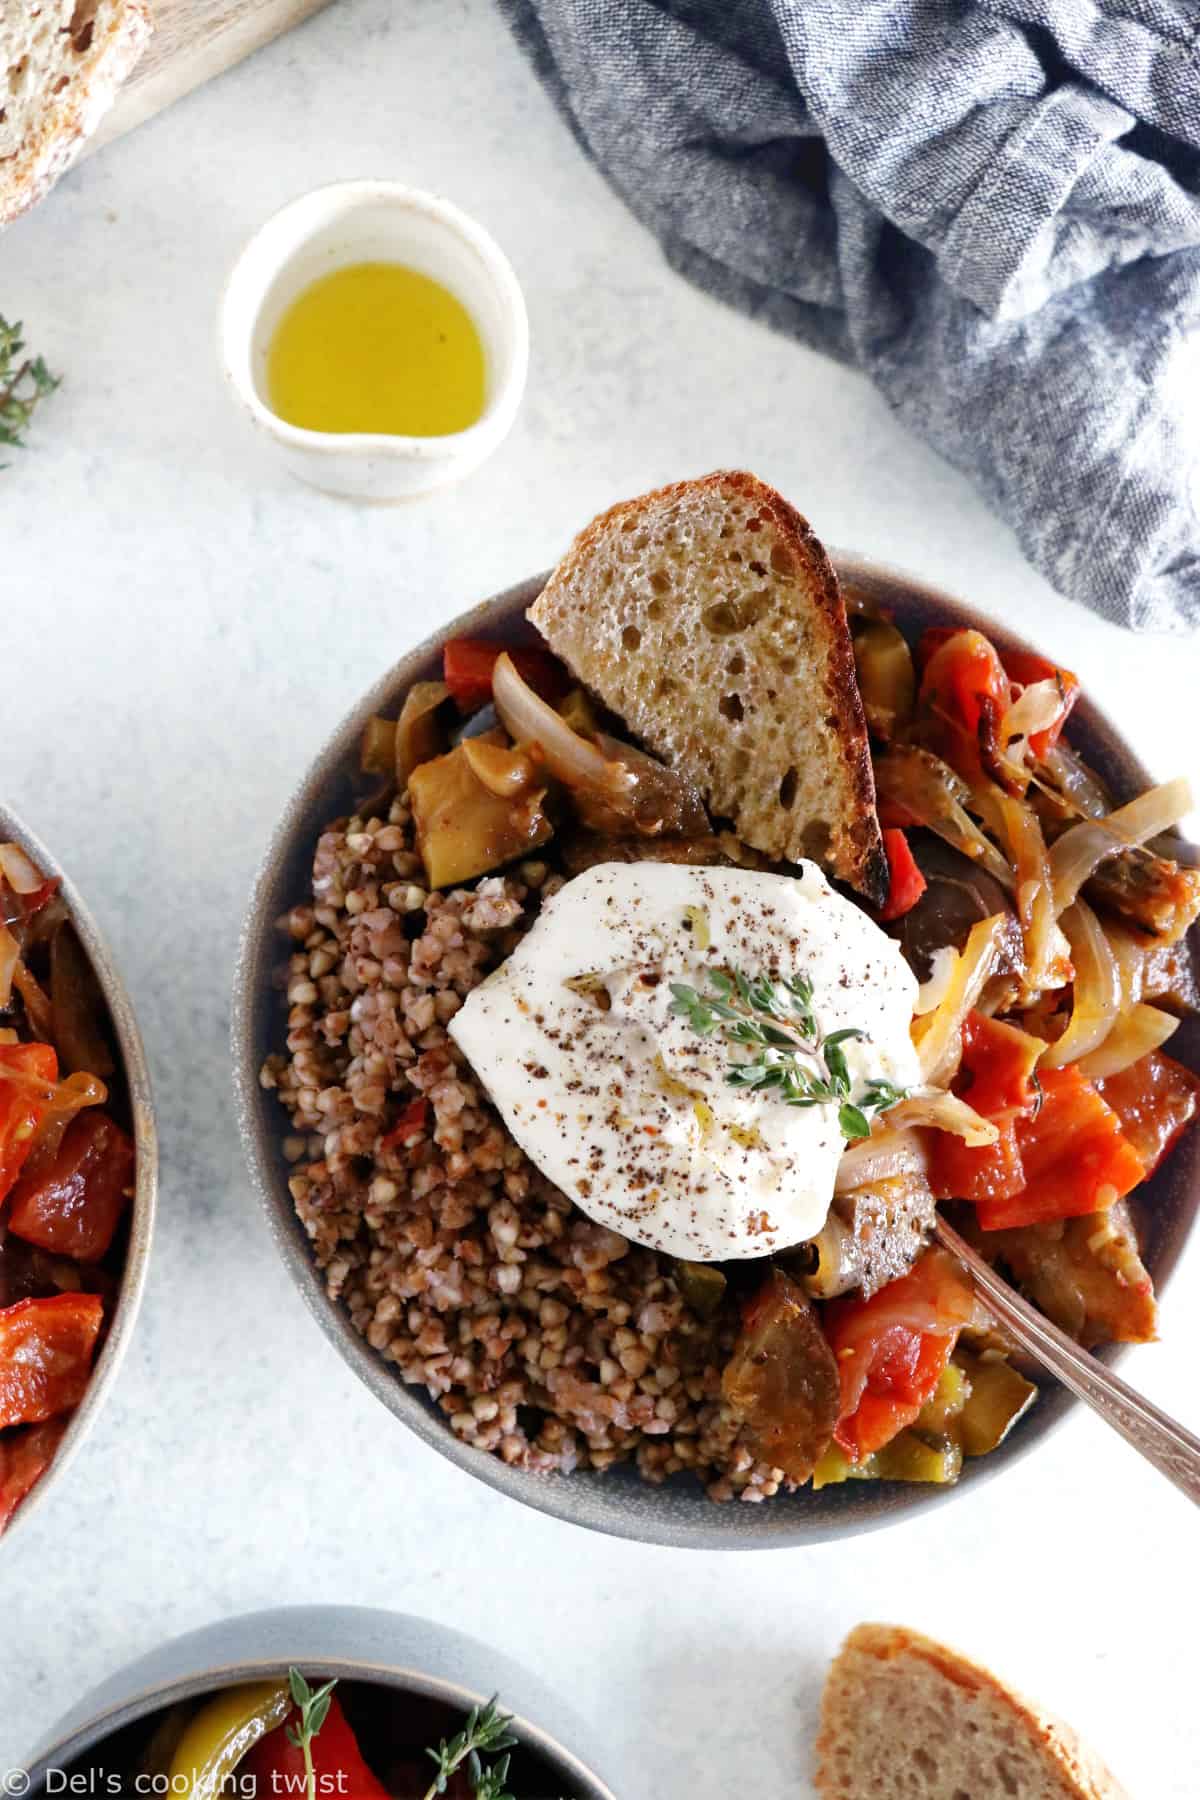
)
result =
(21, 1108)
(46, 1349)
(467, 665)
(1073, 1155)
(906, 883)
(24, 1458)
(1155, 1098)
(73, 1207)
(892, 1348)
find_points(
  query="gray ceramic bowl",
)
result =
(141, 1223)
(411, 1656)
(619, 1502)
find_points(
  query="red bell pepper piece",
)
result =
(467, 665)
(964, 694)
(40, 896)
(906, 883)
(977, 1172)
(998, 1061)
(1025, 667)
(24, 1458)
(1074, 1157)
(275, 1766)
(21, 1107)
(72, 1208)
(46, 1349)
(408, 1126)
(892, 1348)
(1155, 1099)
(931, 641)
(996, 1077)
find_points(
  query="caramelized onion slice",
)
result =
(614, 785)
(926, 790)
(1137, 1031)
(22, 876)
(933, 1106)
(1035, 709)
(10, 952)
(934, 989)
(70, 1096)
(885, 1153)
(1097, 995)
(1078, 853)
(1044, 963)
(575, 760)
(1080, 786)
(939, 1047)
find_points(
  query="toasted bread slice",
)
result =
(708, 617)
(61, 63)
(904, 1718)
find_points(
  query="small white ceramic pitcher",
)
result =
(375, 221)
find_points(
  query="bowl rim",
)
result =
(132, 1286)
(236, 334)
(331, 1640)
(560, 1496)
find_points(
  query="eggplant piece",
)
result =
(997, 1396)
(958, 894)
(1086, 1274)
(702, 1286)
(887, 680)
(1160, 974)
(463, 829)
(1156, 896)
(422, 731)
(782, 1379)
(889, 1223)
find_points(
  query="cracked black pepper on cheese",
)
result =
(626, 1107)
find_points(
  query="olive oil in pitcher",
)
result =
(381, 348)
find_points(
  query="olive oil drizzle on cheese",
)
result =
(377, 347)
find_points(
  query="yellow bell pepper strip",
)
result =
(220, 1735)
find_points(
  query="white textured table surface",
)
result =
(182, 627)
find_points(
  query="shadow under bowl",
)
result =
(140, 1227)
(618, 1501)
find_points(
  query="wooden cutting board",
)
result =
(193, 41)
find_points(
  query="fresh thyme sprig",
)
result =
(777, 1021)
(24, 380)
(314, 1710)
(485, 1732)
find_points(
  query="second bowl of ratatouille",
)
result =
(78, 1171)
(640, 966)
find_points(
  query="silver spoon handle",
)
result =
(1161, 1439)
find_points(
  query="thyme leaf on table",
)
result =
(789, 1054)
(24, 381)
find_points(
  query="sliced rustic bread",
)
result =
(904, 1718)
(708, 617)
(61, 63)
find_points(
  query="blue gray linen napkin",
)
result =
(990, 206)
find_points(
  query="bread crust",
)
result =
(65, 126)
(860, 857)
(1072, 1761)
